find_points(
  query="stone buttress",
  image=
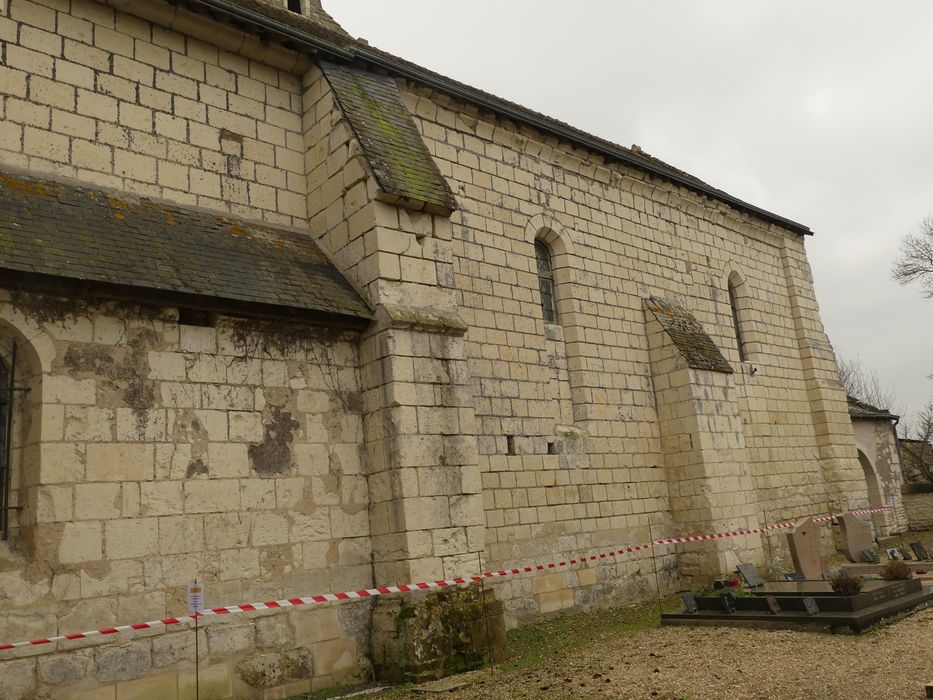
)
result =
(381, 208)
(705, 459)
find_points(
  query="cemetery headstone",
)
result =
(855, 535)
(920, 551)
(892, 553)
(690, 603)
(804, 541)
(750, 573)
(871, 556)
(810, 605)
(905, 554)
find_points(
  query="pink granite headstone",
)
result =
(856, 536)
(804, 541)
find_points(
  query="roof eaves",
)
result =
(356, 51)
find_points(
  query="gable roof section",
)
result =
(865, 411)
(694, 343)
(265, 21)
(389, 137)
(92, 236)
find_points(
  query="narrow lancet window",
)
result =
(546, 282)
(734, 303)
(6, 422)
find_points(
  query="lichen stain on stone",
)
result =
(444, 633)
(27, 186)
(276, 561)
(273, 456)
(196, 468)
(46, 308)
(96, 360)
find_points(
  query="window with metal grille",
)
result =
(733, 302)
(546, 282)
(7, 394)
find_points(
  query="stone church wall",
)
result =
(458, 432)
(108, 98)
(167, 453)
(617, 237)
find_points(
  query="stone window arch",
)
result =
(20, 424)
(738, 304)
(545, 269)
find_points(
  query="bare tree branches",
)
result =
(862, 383)
(914, 261)
(924, 433)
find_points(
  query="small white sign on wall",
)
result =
(195, 598)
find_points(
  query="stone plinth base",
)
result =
(428, 636)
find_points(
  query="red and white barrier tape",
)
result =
(411, 587)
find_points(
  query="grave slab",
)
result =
(855, 535)
(804, 542)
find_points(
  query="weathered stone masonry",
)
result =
(212, 395)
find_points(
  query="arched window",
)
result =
(6, 423)
(546, 282)
(734, 303)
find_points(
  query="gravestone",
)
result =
(871, 556)
(804, 542)
(750, 573)
(727, 602)
(905, 555)
(811, 607)
(892, 553)
(920, 551)
(773, 604)
(794, 576)
(855, 535)
(690, 603)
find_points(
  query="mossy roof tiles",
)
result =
(694, 343)
(80, 233)
(389, 137)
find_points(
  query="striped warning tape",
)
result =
(410, 587)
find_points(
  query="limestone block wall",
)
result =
(918, 509)
(102, 96)
(618, 236)
(170, 452)
(878, 456)
(705, 460)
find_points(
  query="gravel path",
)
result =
(674, 663)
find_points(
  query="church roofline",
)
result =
(298, 37)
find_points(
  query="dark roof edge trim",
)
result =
(464, 92)
(42, 283)
(290, 33)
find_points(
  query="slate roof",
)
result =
(862, 410)
(688, 336)
(389, 137)
(80, 233)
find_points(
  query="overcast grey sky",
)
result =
(820, 111)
